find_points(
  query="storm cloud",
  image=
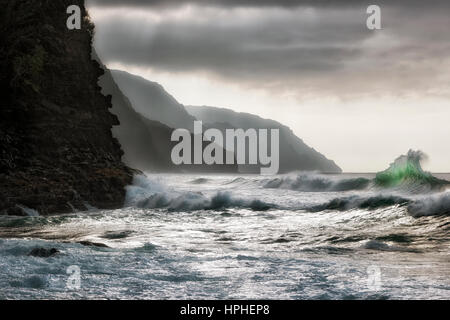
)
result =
(268, 3)
(280, 43)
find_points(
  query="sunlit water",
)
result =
(177, 239)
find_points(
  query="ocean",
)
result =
(294, 236)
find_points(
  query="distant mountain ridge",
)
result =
(147, 142)
(152, 101)
(294, 153)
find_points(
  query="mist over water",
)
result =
(236, 237)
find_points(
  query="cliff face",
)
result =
(152, 101)
(136, 137)
(150, 147)
(57, 152)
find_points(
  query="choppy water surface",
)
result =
(299, 236)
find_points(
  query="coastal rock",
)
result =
(93, 244)
(43, 252)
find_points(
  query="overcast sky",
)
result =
(361, 97)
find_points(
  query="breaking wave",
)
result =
(434, 205)
(358, 202)
(406, 172)
(430, 206)
(191, 201)
(153, 195)
(310, 182)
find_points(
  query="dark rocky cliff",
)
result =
(57, 152)
(136, 137)
(150, 147)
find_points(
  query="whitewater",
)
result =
(295, 236)
(236, 237)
